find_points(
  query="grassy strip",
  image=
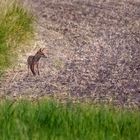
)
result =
(46, 119)
(15, 28)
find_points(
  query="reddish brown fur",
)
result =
(34, 61)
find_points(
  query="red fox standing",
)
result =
(34, 61)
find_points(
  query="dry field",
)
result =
(93, 51)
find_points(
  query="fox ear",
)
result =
(42, 49)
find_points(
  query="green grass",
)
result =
(15, 29)
(48, 120)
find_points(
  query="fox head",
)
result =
(41, 53)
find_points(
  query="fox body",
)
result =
(33, 61)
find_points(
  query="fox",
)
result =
(33, 61)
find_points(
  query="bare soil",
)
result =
(93, 50)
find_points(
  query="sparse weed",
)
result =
(58, 64)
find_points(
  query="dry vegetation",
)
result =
(94, 51)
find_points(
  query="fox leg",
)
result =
(28, 69)
(37, 69)
(32, 69)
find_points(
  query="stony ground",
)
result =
(93, 50)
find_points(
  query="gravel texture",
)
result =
(93, 50)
